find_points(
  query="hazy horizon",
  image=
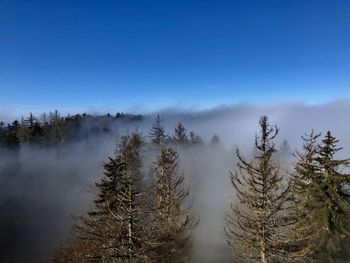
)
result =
(215, 67)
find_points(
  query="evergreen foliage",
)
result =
(180, 135)
(323, 203)
(119, 224)
(157, 133)
(195, 139)
(8, 136)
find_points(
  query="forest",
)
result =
(110, 188)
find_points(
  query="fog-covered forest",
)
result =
(232, 184)
(162, 131)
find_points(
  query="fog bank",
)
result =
(41, 189)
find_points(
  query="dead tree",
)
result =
(257, 223)
(173, 219)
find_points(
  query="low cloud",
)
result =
(45, 187)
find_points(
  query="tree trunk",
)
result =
(263, 258)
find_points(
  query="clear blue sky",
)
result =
(120, 54)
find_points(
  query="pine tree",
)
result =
(324, 199)
(30, 130)
(285, 153)
(180, 136)
(119, 226)
(303, 235)
(334, 196)
(173, 220)
(257, 225)
(195, 139)
(157, 133)
(12, 140)
(30, 121)
(8, 136)
(215, 140)
(2, 135)
(56, 129)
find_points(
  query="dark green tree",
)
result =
(8, 136)
(333, 216)
(195, 139)
(30, 121)
(120, 226)
(324, 200)
(180, 135)
(2, 135)
(157, 133)
(12, 140)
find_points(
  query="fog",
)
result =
(43, 189)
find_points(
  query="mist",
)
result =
(43, 189)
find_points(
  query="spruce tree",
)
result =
(57, 130)
(30, 130)
(120, 225)
(2, 135)
(173, 219)
(180, 135)
(195, 139)
(215, 140)
(323, 188)
(12, 140)
(157, 133)
(8, 136)
(303, 235)
(257, 223)
(333, 194)
(30, 121)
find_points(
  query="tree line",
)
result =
(52, 130)
(275, 215)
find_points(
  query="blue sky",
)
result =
(117, 55)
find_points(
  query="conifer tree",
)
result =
(2, 135)
(12, 140)
(57, 128)
(324, 198)
(215, 140)
(119, 226)
(180, 136)
(30, 121)
(333, 192)
(157, 133)
(284, 148)
(195, 139)
(285, 152)
(76, 251)
(303, 234)
(30, 130)
(8, 136)
(173, 219)
(256, 226)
